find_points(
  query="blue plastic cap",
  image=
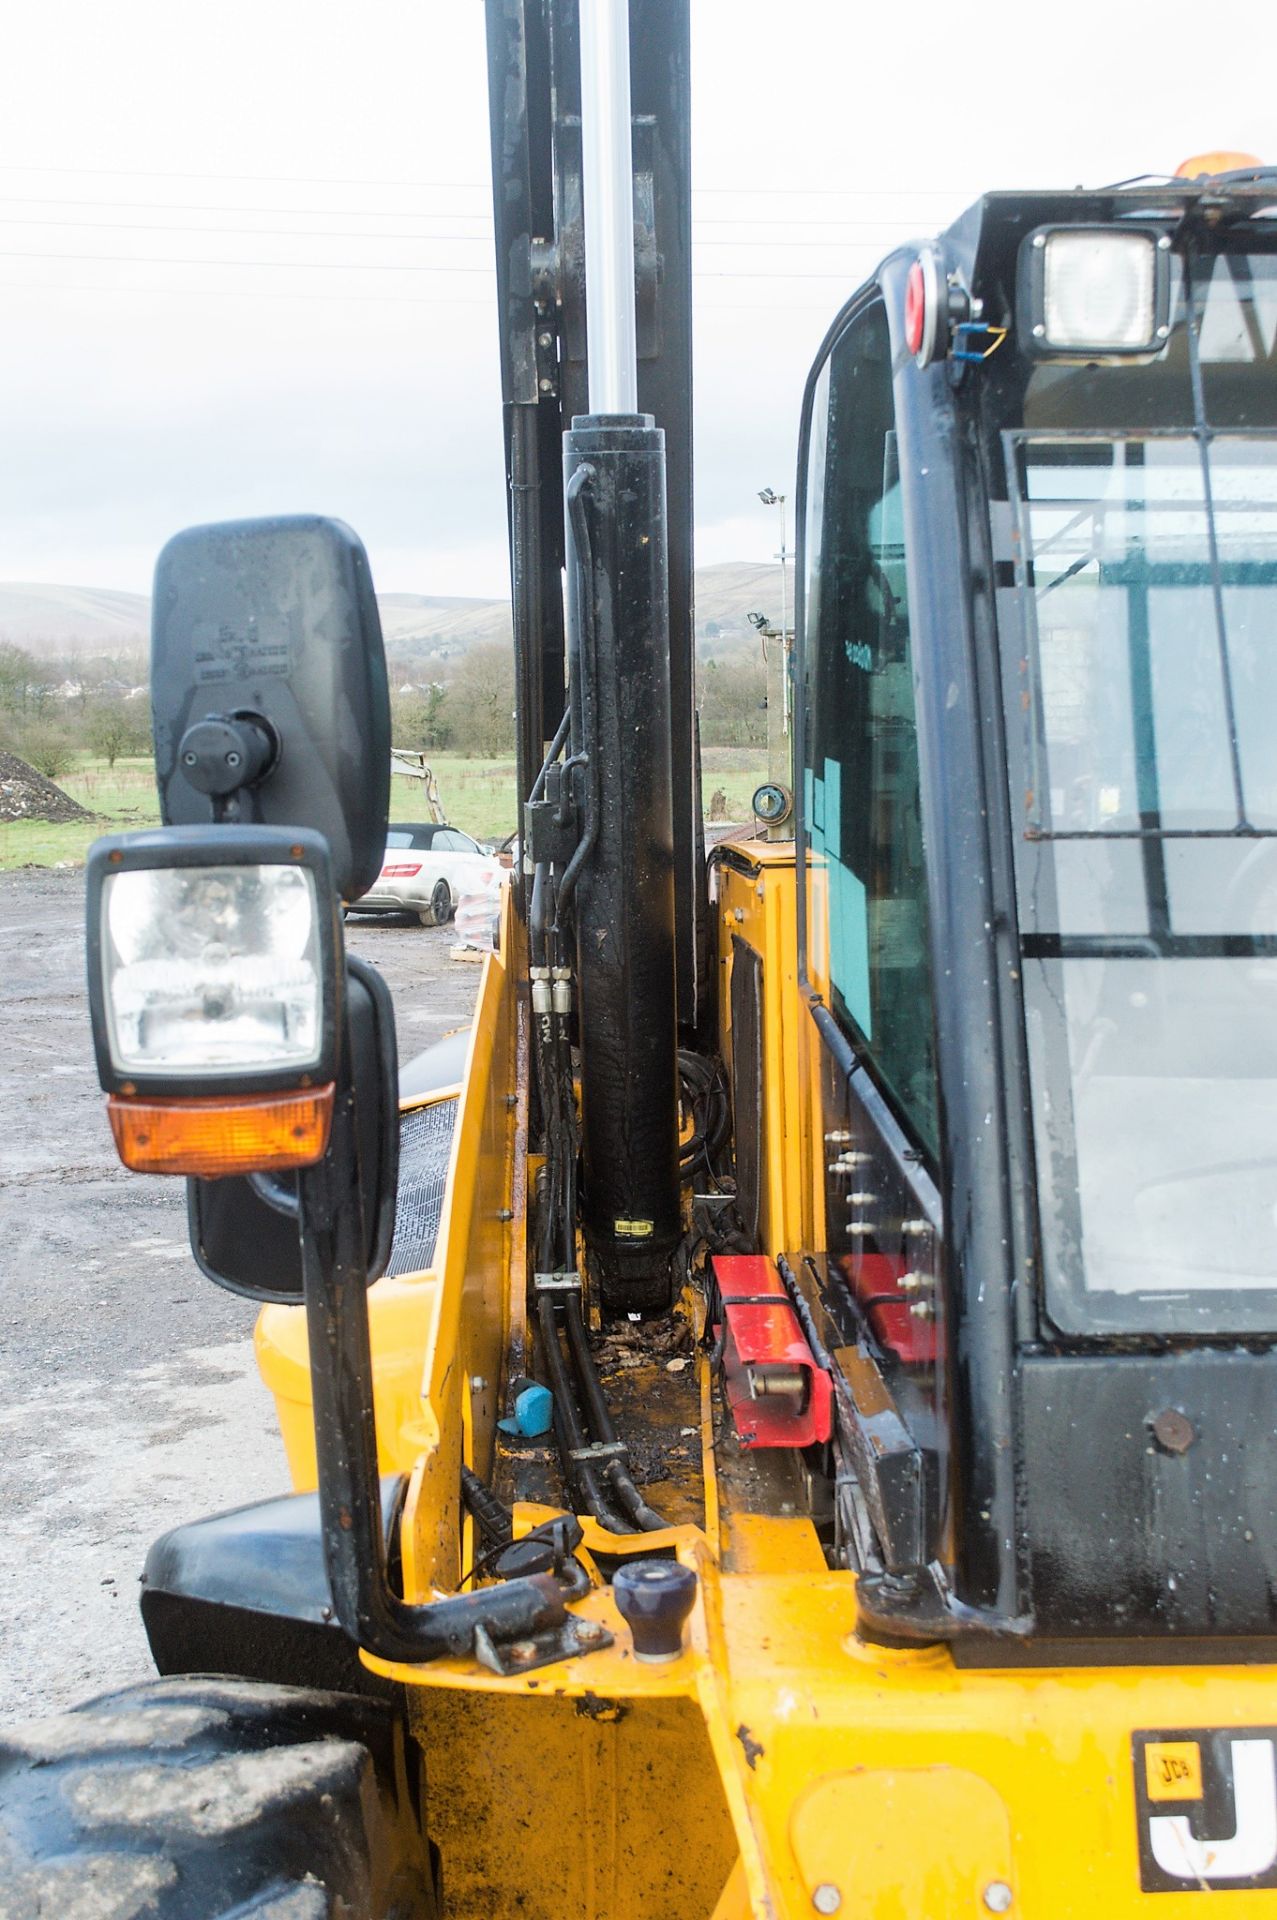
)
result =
(533, 1413)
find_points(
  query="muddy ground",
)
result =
(129, 1400)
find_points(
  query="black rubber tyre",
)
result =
(441, 903)
(195, 1798)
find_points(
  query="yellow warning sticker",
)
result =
(1173, 1770)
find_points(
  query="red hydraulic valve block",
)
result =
(778, 1395)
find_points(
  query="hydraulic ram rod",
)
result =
(608, 191)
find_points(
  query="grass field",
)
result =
(479, 796)
(118, 798)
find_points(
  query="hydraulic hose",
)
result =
(636, 1509)
(495, 1521)
(585, 560)
(556, 747)
(568, 1429)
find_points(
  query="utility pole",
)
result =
(779, 755)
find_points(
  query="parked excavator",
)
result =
(413, 765)
(784, 1425)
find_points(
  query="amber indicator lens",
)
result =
(259, 1133)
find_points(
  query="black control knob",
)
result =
(654, 1598)
(221, 754)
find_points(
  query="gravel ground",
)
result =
(129, 1400)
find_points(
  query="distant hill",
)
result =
(417, 624)
(60, 620)
(420, 626)
(726, 595)
(50, 620)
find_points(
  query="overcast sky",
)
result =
(244, 247)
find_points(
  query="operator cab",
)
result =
(1037, 845)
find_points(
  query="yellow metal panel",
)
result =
(761, 1542)
(573, 1809)
(846, 1834)
(734, 1902)
(400, 1315)
(805, 1700)
(756, 902)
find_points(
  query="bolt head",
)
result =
(589, 1632)
(826, 1898)
(1173, 1431)
(477, 1383)
(997, 1897)
(523, 1652)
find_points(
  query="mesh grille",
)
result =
(425, 1142)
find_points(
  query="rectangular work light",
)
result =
(212, 990)
(1094, 293)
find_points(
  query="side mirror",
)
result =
(231, 1031)
(268, 684)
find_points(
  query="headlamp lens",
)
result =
(1100, 291)
(212, 970)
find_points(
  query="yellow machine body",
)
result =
(781, 1766)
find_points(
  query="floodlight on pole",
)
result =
(770, 498)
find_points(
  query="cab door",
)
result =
(867, 958)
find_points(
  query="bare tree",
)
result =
(481, 700)
(115, 728)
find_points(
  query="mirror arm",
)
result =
(335, 1280)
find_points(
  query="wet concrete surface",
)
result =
(129, 1399)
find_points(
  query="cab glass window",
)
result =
(1141, 708)
(862, 809)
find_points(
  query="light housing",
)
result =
(213, 962)
(1094, 292)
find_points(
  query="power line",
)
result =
(292, 233)
(198, 260)
(458, 186)
(788, 221)
(242, 293)
(763, 244)
(272, 179)
(183, 206)
(353, 266)
(265, 294)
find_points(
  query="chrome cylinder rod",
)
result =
(608, 192)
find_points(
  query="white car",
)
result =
(426, 871)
